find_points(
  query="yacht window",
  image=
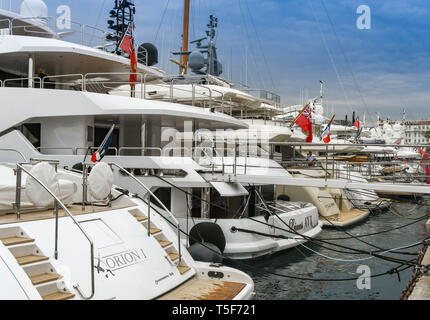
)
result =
(90, 134)
(32, 132)
(164, 195)
(196, 206)
(268, 193)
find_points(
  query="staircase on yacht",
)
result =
(133, 253)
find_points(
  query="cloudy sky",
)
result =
(287, 46)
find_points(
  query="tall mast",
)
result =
(184, 57)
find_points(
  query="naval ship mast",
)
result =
(123, 13)
(195, 59)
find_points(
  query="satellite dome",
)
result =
(196, 61)
(34, 9)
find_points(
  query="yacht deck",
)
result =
(201, 289)
(45, 214)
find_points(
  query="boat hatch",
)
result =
(229, 189)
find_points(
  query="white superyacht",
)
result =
(67, 111)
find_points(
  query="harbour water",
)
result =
(302, 262)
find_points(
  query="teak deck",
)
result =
(199, 289)
(44, 214)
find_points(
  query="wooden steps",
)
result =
(59, 296)
(141, 218)
(164, 244)
(15, 240)
(173, 256)
(30, 259)
(162, 240)
(183, 269)
(154, 230)
(43, 278)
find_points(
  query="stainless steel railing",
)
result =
(31, 79)
(75, 150)
(15, 151)
(57, 202)
(96, 83)
(143, 149)
(78, 32)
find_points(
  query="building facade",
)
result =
(417, 132)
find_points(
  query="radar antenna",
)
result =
(121, 16)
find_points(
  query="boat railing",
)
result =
(20, 168)
(105, 82)
(14, 151)
(31, 82)
(264, 95)
(76, 150)
(194, 95)
(171, 95)
(145, 54)
(77, 32)
(149, 195)
(97, 79)
(8, 22)
(71, 83)
(266, 121)
(142, 149)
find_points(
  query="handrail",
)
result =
(92, 37)
(57, 202)
(30, 18)
(9, 23)
(146, 55)
(62, 76)
(149, 205)
(210, 94)
(96, 148)
(16, 151)
(139, 149)
(141, 75)
(20, 79)
(222, 99)
(56, 148)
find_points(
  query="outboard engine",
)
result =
(207, 242)
(147, 51)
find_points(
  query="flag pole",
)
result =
(332, 119)
(107, 137)
(422, 159)
(294, 121)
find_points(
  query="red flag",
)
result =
(427, 169)
(357, 123)
(127, 45)
(304, 121)
(133, 61)
(310, 136)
